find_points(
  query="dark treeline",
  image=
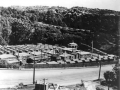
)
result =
(59, 25)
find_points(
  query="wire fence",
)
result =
(66, 65)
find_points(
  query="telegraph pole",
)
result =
(34, 72)
(99, 70)
(92, 48)
(64, 60)
(92, 42)
(34, 68)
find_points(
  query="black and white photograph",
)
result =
(59, 45)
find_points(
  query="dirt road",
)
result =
(67, 76)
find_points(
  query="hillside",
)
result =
(60, 25)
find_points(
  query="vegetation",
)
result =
(59, 25)
(112, 77)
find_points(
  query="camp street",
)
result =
(67, 76)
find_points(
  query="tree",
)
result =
(116, 70)
(20, 32)
(108, 75)
(112, 77)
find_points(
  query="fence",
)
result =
(68, 65)
(81, 64)
(9, 66)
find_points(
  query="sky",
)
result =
(101, 4)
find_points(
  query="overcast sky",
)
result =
(102, 4)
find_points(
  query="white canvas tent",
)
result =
(8, 59)
(52, 62)
(65, 55)
(67, 49)
(23, 54)
(37, 53)
(83, 53)
(4, 56)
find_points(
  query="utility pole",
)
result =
(19, 61)
(92, 42)
(64, 63)
(108, 87)
(34, 72)
(34, 68)
(92, 46)
(64, 58)
(99, 70)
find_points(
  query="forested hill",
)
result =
(60, 25)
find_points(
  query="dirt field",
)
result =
(67, 76)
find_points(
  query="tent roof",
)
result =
(52, 62)
(12, 61)
(51, 52)
(39, 57)
(72, 61)
(65, 55)
(76, 60)
(3, 56)
(73, 44)
(37, 53)
(82, 53)
(23, 54)
(67, 49)
(41, 63)
(111, 55)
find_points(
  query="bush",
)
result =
(99, 88)
(103, 83)
(112, 77)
